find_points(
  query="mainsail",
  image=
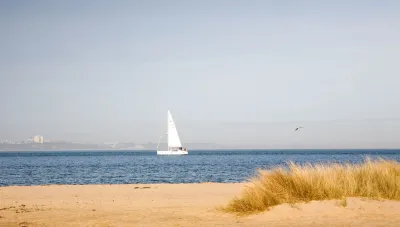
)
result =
(173, 137)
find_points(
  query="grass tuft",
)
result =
(378, 179)
(344, 202)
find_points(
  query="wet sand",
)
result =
(174, 205)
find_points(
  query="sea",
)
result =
(145, 167)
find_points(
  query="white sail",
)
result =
(174, 142)
(173, 137)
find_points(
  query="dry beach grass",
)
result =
(379, 179)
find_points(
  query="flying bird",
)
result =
(298, 128)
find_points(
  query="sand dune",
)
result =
(174, 205)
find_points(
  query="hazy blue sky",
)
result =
(232, 72)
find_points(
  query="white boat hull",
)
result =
(172, 152)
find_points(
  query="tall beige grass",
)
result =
(379, 179)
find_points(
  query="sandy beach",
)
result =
(174, 205)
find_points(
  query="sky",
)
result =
(240, 73)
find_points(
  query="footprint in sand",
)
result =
(23, 224)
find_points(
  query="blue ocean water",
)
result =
(129, 167)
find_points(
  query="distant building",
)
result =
(38, 139)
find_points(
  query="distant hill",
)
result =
(153, 146)
(54, 146)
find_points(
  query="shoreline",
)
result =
(180, 204)
(133, 184)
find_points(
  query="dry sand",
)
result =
(174, 205)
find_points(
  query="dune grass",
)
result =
(375, 179)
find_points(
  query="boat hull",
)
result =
(172, 152)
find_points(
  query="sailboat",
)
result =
(174, 142)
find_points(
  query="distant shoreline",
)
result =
(208, 149)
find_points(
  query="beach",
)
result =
(175, 205)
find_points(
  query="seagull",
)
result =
(298, 128)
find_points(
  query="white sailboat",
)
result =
(174, 142)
